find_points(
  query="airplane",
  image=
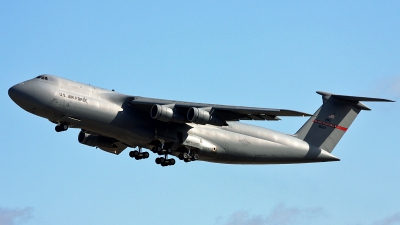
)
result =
(190, 131)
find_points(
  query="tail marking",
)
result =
(329, 123)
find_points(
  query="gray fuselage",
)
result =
(110, 114)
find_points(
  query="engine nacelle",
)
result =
(200, 116)
(165, 114)
(96, 140)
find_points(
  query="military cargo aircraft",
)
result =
(189, 131)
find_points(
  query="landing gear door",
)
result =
(199, 143)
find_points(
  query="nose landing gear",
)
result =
(61, 127)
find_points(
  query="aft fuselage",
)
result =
(110, 114)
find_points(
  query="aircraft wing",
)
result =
(222, 113)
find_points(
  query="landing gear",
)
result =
(163, 150)
(188, 156)
(139, 154)
(164, 161)
(61, 127)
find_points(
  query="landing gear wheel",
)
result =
(58, 129)
(64, 127)
(189, 155)
(61, 127)
(139, 154)
(163, 150)
(133, 154)
(186, 156)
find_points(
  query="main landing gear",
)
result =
(163, 161)
(139, 154)
(61, 127)
(161, 151)
(188, 156)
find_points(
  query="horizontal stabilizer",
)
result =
(354, 99)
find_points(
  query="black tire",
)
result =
(64, 127)
(58, 129)
(172, 162)
(146, 155)
(158, 160)
(131, 154)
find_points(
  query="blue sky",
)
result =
(262, 54)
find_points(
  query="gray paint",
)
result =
(125, 121)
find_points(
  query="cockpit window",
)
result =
(42, 77)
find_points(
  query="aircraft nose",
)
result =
(22, 95)
(14, 93)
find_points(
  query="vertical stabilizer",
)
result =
(326, 127)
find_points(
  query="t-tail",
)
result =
(329, 123)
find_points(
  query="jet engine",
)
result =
(166, 114)
(201, 116)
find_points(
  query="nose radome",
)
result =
(22, 95)
(13, 93)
